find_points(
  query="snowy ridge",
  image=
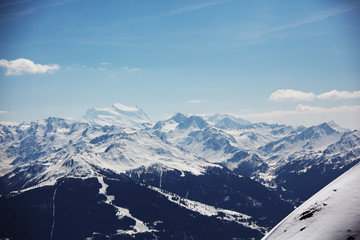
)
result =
(227, 121)
(313, 139)
(262, 151)
(41, 152)
(332, 213)
(6, 123)
(53, 215)
(207, 210)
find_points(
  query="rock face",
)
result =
(231, 175)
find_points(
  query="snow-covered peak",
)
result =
(181, 122)
(227, 120)
(349, 141)
(6, 123)
(188, 121)
(336, 127)
(118, 114)
(327, 128)
(178, 117)
(314, 138)
(121, 107)
(332, 213)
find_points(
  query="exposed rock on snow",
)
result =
(332, 213)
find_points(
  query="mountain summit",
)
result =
(118, 115)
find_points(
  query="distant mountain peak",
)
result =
(228, 121)
(222, 117)
(335, 126)
(122, 107)
(178, 117)
(118, 114)
(328, 128)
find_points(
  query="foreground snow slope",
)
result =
(332, 213)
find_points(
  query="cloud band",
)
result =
(22, 66)
(285, 95)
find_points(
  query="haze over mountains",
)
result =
(155, 180)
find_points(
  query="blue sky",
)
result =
(59, 58)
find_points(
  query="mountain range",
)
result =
(117, 175)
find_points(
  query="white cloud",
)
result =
(307, 108)
(128, 69)
(21, 66)
(195, 101)
(345, 116)
(336, 95)
(283, 95)
(314, 109)
(2, 112)
(105, 63)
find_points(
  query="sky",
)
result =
(292, 62)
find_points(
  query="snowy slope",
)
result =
(227, 121)
(207, 210)
(224, 139)
(312, 139)
(231, 142)
(281, 157)
(332, 213)
(118, 114)
(303, 149)
(244, 135)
